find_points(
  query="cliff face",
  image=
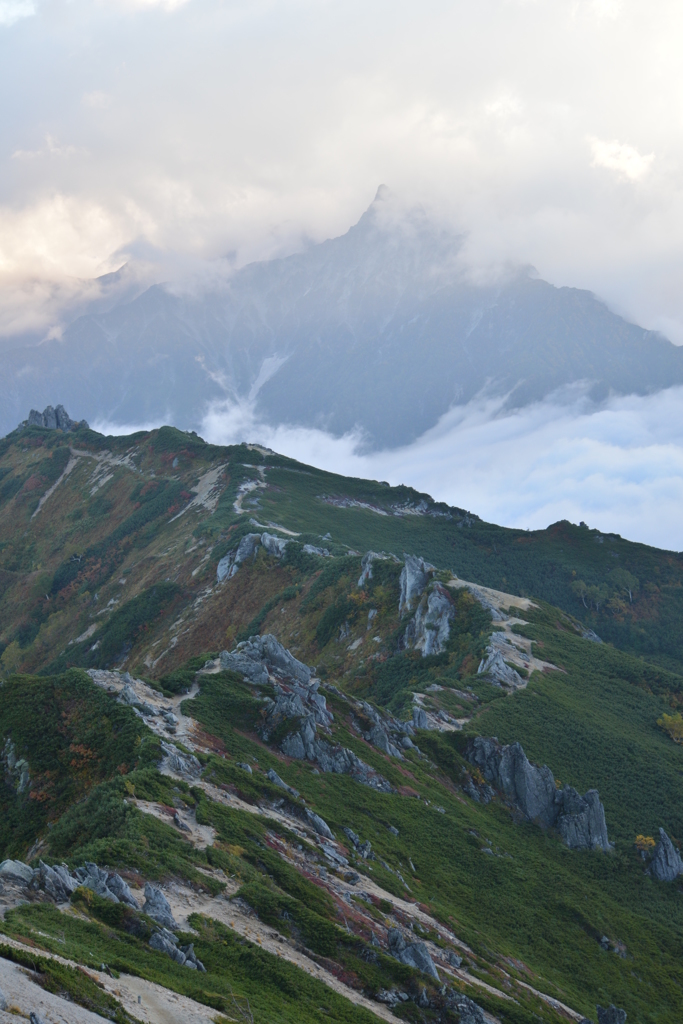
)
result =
(580, 820)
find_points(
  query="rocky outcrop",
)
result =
(52, 419)
(469, 1011)
(666, 863)
(612, 1015)
(366, 564)
(157, 907)
(364, 849)
(179, 762)
(274, 545)
(580, 820)
(165, 941)
(498, 671)
(273, 777)
(16, 768)
(311, 549)
(306, 744)
(230, 563)
(17, 871)
(414, 954)
(106, 884)
(413, 580)
(248, 548)
(130, 697)
(429, 629)
(57, 881)
(319, 824)
(262, 656)
(420, 720)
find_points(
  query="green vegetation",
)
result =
(71, 736)
(121, 559)
(68, 982)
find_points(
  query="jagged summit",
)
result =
(52, 419)
(378, 330)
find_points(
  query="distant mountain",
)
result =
(378, 330)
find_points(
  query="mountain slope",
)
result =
(379, 330)
(316, 819)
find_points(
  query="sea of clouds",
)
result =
(619, 469)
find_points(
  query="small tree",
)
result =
(673, 725)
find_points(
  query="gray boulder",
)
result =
(273, 777)
(130, 697)
(95, 878)
(191, 958)
(119, 888)
(56, 881)
(164, 941)
(420, 720)
(379, 738)
(611, 1015)
(319, 824)
(470, 1012)
(180, 762)
(495, 667)
(413, 580)
(16, 871)
(157, 906)
(414, 954)
(274, 545)
(579, 819)
(311, 549)
(666, 862)
(244, 664)
(106, 884)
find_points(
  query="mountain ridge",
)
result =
(261, 698)
(379, 331)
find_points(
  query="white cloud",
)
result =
(620, 469)
(14, 10)
(619, 157)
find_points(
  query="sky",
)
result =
(172, 133)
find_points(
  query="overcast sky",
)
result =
(550, 131)
(180, 131)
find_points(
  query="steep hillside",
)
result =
(322, 806)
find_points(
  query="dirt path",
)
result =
(158, 1005)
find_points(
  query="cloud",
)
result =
(14, 10)
(625, 160)
(250, 127)
(619, 469)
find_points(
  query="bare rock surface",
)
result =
(413, 580)
(666, 864)
(261, 656)
(414, 954)
(499, 672)
(579, 819)
(157, 906)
